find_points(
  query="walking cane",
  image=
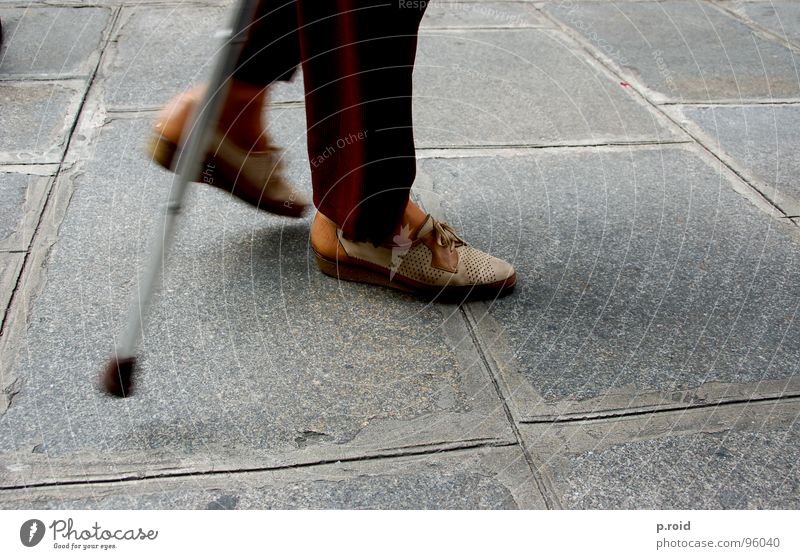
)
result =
(117, 377)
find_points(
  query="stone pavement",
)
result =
(636, 160)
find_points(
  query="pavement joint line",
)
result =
(7, 164)
(375, 457)
(462, 28)
(765, 32)
(49, 194)
(514, 151)
(78, 4)
(731, 103)
(457, 30)
(134, 112)
(590, 50)
(609, 143)
(607, 415)
(41, 77)
(20, 79)
(291, 104)
(548, 494)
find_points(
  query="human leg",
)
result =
(242, 159)
(358, 59)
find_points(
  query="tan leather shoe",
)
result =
(257, 177)
(431, 261)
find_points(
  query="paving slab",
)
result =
(21, 200)
(760, 141)
(684, 51)
(456, 72)
(645, 280)
(440, 124)
(782, 17)
(521, 87)
(51, 41)
(488, 478)
(729, 457)
(44, 112)
(252, 356)
(159, 51)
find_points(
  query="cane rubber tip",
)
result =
(118, 376)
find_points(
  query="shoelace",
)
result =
(447, 236)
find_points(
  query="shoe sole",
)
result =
(163, 151)
(363, 274)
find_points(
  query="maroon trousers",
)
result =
(357, 58)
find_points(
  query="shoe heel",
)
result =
(162, 151)
(343, 271)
